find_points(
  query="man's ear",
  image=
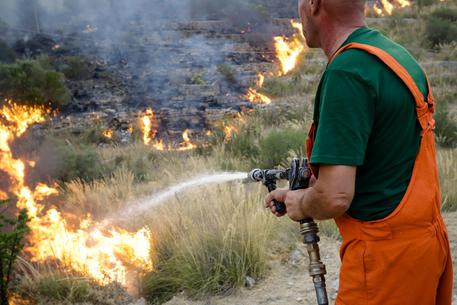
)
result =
(315, 6)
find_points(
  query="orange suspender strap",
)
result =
(424, 108)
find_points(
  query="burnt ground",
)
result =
(190, 73)
(288, 282)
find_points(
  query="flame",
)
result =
(229, 130)
(108, 133)
(186, 144)
(289, 49)
(260, 80)
(256, 97)
(384, 7)
(148, 133)
(159, 145)
(101, 252)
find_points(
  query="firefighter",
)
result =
(372, 151)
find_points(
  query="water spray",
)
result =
(298, 176)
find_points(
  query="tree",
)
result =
(12, 232)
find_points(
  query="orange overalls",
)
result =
(404, 258)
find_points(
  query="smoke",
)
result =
(159, 56)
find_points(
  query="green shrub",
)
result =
(76, 67)
(7, 55)
(446, 128)
(277, 146)
(228, 72)
(64, 161)
(441, 26)
(422, 3)
(210, 246)
(12, 232)
(28, 82)
(197, 79)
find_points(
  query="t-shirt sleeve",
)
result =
(345, 120)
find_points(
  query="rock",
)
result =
(250, 282)
(299, 299)
(109, 111)
(139, 302)
(335, 284)
(296, 256)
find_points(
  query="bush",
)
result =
(30, 82)
(441, 26)
(447, 163)
(12, 232)
(210, 246)
(45, 285)
(446, 128)
(7, 55)
(66, 162)
(76, 67)
(228, 72)
(277, 146)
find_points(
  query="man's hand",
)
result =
(292, 200)
(327, 197)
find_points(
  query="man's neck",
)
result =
(334, 38)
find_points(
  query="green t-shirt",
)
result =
(366, 117)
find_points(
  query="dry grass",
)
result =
(447, 161)
(47, 284)
(209, 240)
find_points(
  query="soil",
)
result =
(289, 283)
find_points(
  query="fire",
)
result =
(108, 133)
(148, 133)
(186, 144)
(104, 253)
(260, 80)
(256, 97)
(229, 130)
(288, 50)
(384, 7)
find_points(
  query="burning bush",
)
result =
(33, 82)
(441, 26)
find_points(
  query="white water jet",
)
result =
(158, 198)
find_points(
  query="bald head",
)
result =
(343, 9)
(325, 20)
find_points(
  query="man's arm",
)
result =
(329, 197)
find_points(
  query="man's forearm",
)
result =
(316, 203)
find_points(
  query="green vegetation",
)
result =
(228, 72)
(12, 232)
(209, 244)
(76, 68)
(225, 239)
(446, 127)
(447, 161)
(197, 79)
(33, 82)
(47, 285)
(7, 55)
(441, 26)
